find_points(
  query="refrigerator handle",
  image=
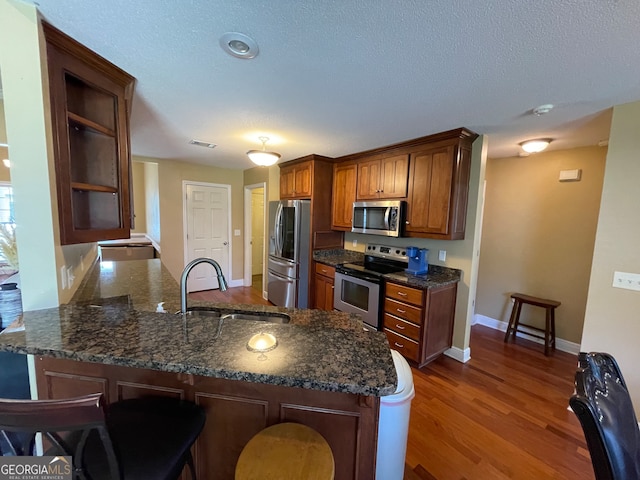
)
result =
(278, 230)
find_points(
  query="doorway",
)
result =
(207, 231)
(255, 202)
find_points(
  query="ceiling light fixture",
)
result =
(262, 157)
(239, 45)
(535, 145)
(6, 162)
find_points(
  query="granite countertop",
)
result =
(337, 257)
(112, 320)
(437, 275)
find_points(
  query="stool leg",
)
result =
(547, 331)
(513, 320)
(553, 328)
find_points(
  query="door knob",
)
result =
(226, 243)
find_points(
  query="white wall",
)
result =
(612, 319)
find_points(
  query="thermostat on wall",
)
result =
(570, 175)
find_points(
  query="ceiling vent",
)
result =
(200, 143)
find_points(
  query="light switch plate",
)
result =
(628, 281)
(442, 255)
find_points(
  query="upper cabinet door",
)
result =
(394, 176)
(429, 204)
(368, 180)
(383, 178)
(90, 105)
(344, 194)
(296, 181)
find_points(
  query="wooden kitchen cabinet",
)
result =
(344, 194)
(419, 323)
(296, 181)
(90, 107)
(439, 188)
(383, 178)
(235, 410)
(323, 280)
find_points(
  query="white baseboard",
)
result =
(235, 283)
(463, 356)
(561, 344)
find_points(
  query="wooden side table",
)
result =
(549, 332)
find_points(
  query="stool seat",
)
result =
(549, 331)
(286, 451)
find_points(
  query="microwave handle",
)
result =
(386, 217)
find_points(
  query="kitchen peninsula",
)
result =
(325, 372)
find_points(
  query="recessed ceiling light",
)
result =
(542, 109)
(535, 145)
(200, 143)
(239, 45)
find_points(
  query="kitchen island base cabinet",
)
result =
(236, 411)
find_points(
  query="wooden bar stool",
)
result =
(286, 451)
(550, 324)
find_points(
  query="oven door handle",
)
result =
(359, 276)
(387, 212)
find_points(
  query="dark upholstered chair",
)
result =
(141, 439)
(603, 405)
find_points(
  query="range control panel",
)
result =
(386, 251)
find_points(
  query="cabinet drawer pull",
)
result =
(400, 327)
(398, 344)
(324, 271)
(399, 310)
(402, 294)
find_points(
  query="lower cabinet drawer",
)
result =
(407, 347)
(402, 327)
(403, 310)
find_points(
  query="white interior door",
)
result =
(207, 218)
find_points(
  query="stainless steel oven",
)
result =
(358, 293)
(358, 287)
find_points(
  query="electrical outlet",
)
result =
(628, 281)
(354, 243)
(236, 232)
(63, 277)
(442, 255)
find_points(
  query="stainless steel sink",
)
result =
(260, 317)
(194, 312)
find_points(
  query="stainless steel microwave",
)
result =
(379, 217)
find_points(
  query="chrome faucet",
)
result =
(185, 273)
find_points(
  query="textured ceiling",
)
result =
(337, 77)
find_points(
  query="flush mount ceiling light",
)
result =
(6, 162)
(535, 145)
(262, 157)
(239, 45)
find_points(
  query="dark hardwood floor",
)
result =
(502, 415)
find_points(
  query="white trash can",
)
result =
(393, 427)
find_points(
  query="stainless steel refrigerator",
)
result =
(289, 244)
